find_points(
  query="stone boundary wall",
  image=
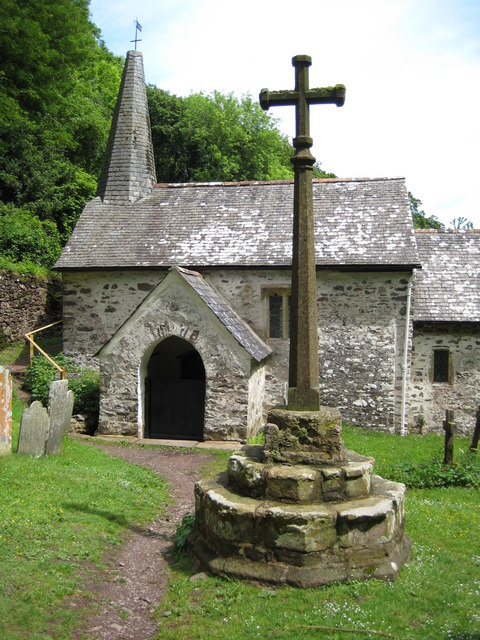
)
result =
(27, 303)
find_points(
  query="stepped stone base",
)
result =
(304, 525)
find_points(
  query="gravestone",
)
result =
(476, 433)
(33, 430)
(60, 407)
(5, 411)
(450, 427)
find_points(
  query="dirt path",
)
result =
(139, 578)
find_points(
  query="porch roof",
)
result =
(240, 330)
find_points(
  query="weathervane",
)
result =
(138, 27)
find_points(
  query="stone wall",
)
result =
(27, 303)
(361, 330)
(95, 304)
(428, 399)
(361, 338)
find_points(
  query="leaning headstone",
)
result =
(68, 411)
(33, 430)
(5, 411)
(60, 407)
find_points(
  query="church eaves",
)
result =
(128, 172)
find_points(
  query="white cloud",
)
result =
(412, 72)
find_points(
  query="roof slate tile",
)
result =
(358, 223)
(448, 286)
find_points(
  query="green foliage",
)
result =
(258, 438)
(24, 268)
(25, 238)
(465, 472)
(420, 218)
(84, 383)
(416, 460)
(217, 137)
(58, 84)
(183, 531)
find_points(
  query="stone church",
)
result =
(180, 294)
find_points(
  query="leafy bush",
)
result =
(84, 383)
(183, 531)
(25, 238)
(465, 472)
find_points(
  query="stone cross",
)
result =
(303, 393)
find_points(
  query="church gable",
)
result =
(234, 375)
(193, 284)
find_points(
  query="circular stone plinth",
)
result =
(305, 545)
(298, 483)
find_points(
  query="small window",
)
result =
(441, 359)
(278, 313)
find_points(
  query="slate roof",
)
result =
(359, 223)
(447, 288)
(128, 171)
(240, 330)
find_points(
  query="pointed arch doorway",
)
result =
(175, 391)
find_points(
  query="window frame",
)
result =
(439, 367)
(285, 293)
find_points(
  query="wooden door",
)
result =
(175, 408)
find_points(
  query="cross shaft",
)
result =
(303, 375)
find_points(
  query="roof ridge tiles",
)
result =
(449, 231)
(252, 183)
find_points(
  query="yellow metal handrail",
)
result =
(34, 345)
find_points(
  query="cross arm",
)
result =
(327, 95)
(324, 95)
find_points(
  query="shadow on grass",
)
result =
(117, 518)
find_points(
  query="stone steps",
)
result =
(274, 538)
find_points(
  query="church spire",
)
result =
(128, 172)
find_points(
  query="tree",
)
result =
(58, 85)
(420, 218)
(461, 223)
(217, 138)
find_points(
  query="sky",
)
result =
(411, 69)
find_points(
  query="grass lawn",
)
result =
(58, 517)
(436, 596)
(60, 514)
